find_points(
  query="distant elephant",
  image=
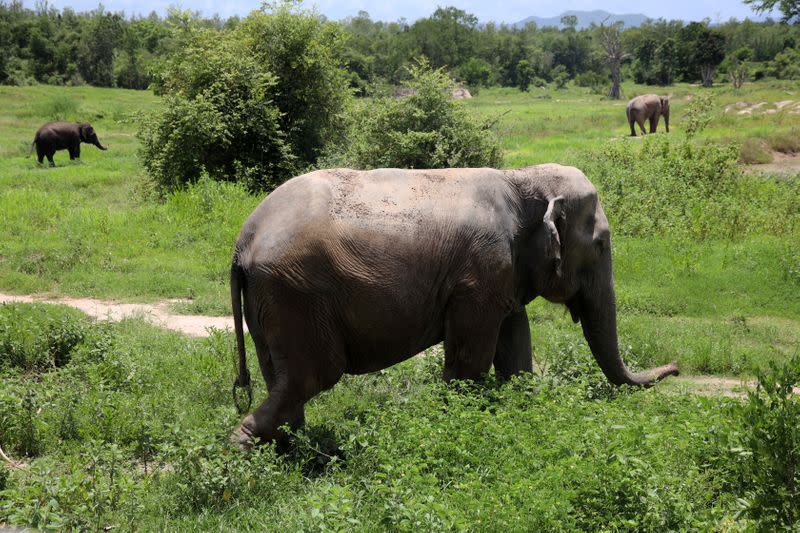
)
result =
(647, 107)
(55, 136)
(341, 271)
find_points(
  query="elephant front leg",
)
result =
(470, 340)
(513, 354)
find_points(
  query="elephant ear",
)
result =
(85, 132)
(552, 238)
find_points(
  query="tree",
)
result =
(255, 104)
(790, 9)
(709, 53)
(614, 55)
(447, 38)
(524, 74)
(96, 61)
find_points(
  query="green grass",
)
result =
(125, 425)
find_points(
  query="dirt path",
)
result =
(198, 326)
(157, 314)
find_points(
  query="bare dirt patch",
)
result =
(157, 314)
(783, 165)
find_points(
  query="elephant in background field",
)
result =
(55, 136)
(647, 107)
(342, 271)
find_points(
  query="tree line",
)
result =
(109, 49)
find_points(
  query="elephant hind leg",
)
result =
(297, 363)
(640, 122)
(513, 354)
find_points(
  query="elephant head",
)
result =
(577, 270)
(89, 136)
(665, 110)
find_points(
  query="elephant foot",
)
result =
(243, 435)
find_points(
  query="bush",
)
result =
(255, 104)
(660, 187)
(593, 80)
(754, 152)
(38, 337)
(426, 129)
(768, 460)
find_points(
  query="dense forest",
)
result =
(110, 49)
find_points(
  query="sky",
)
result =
(486, 10)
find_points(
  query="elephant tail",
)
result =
(33, 145)
(243, 379)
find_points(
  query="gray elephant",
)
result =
(60, 135)
(342, 271)
(647, 107)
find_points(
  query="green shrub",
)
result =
(662, 187)
(786, 143)
(425, 129)
(786, 64)
(38, 337)
(768, 460)
(754, 152)
(698, 113)
(253, 104)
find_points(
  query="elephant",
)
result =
(342, 271)
(647, 107)
(64, 135)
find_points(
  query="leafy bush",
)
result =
(768, 460)
(425, 129)
(475, 72)
(786, 65)
(662, 187)
(754, 151)
(254, 104)
(38, 337)
(593, 80)
(698, 114)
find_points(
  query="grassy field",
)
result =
(125, 425)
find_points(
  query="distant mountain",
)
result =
(586, 18)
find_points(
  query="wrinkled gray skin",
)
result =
(647, 107)
(341, 271)
(55, 136)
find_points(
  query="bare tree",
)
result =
(614, 55)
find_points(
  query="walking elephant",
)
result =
(342, 271)
(647, 107)
(55, 136)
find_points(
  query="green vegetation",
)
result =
(254, 105)
(134, 436)
(424, 129)
(126, 425)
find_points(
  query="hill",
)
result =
(586, 18)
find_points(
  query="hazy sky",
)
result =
(499, 11)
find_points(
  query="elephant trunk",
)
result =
(97, 143)
(666, 120)
(598, 317)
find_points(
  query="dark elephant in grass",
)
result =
(647, 107)
(341, 271)
(60, 135)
